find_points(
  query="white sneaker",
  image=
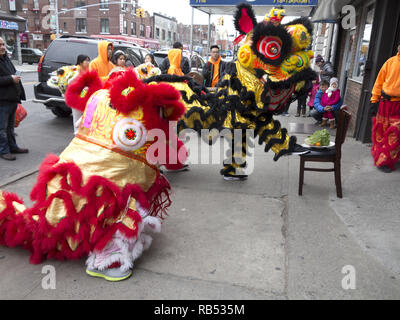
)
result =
(235, 178)
(184, 168)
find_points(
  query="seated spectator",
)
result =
(319, 110)
(329, 99)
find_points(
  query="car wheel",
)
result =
(61, 113)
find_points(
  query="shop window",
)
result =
(364, 44)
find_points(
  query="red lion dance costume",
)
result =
(101, 196)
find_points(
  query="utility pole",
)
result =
(57, 23)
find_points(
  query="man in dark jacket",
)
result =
(214, 69)
(11, 93)
(185, 64)
(326, 67)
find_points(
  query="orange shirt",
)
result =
(215, 76)
(101, 64)
(175, 59)
(388, 80)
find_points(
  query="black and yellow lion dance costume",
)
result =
(272, 65)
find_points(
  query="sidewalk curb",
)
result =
(18, 177)
(27, 71)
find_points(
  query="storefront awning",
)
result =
(260, 7)
(10, 17)
(329, 10)
(12, 22)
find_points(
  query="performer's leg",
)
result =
(115, 261)
(177, 163)
(235, 164)
(276, 138)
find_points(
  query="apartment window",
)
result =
(81, 25)
(104, 4)
(169, 36)
(36, 21)
(133, 28)
(158, 33)
(80, 3)
(104, 26)
(142, 30)
(125, 27)
(364, 43)
(123, 5)
(163, 35)
(64, 4)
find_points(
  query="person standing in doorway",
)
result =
(326, 68)
(11, 94)
(386, 125)
(214, 69)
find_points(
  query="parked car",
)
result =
(64, 51)
(31, 55)
(196, 61)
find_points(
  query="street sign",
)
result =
(9, 25)
(200, 3)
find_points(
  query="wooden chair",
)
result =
(328, 155)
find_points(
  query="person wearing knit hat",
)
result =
(334, 84)
(326, 67)
(319, 59)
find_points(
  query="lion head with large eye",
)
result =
(274, 51)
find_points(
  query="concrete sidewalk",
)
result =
(26, 68)
(250, 240)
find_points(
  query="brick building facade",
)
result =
(99, 18)
(103, 18)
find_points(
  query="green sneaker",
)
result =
(113, 275)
